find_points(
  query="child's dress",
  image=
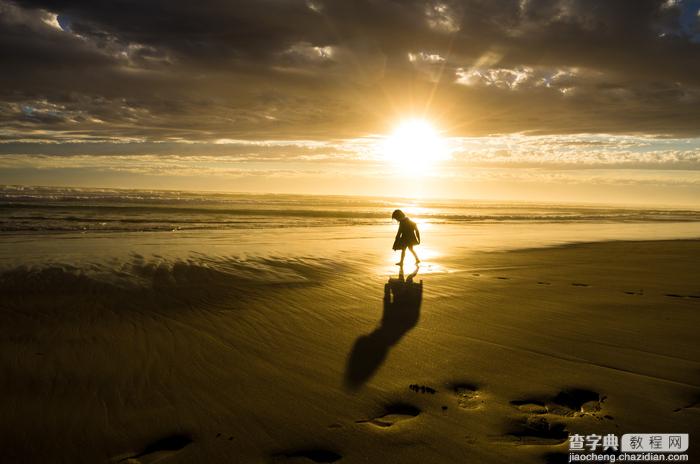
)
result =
(406, 236)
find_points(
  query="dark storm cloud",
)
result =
(169, 70)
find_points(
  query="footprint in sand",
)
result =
(576, 402)
(579, 284)
(538, 430)
(159, 449)
(468, 396)
(634, 292)
(530, 406)
(542, 422)
(393, 414)
(503, 278)
(308, 455)
(541, 282)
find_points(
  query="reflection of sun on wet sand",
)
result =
(315, 360)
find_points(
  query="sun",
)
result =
(414, 146)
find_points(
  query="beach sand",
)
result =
(485, 357)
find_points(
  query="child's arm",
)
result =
(418, 234)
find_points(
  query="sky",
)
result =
(536, 100)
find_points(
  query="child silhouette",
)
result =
(407, 235)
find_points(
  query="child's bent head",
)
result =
(397, 214)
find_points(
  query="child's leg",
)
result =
(403, 255)
(414, 254)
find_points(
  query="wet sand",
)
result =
(481, 357)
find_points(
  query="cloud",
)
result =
(365, 155)
(210, 70)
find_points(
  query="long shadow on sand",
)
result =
(402, 300)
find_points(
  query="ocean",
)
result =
(55, 238)
(71, 210)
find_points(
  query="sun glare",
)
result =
(414, 146)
